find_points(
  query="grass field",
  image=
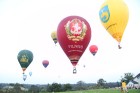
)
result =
(102, 91)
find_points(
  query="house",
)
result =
(11, 87)
(8, 87)
(132, 84)
(137, 78)
(135, 83)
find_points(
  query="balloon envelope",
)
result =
(45, 63)
(24, 77)
(114, 17)
(54, 36)
(30, 73)
(74, 34)
(25, 57)
(93, 49)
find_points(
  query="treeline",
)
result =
(54, 87)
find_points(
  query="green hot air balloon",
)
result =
(25, 57)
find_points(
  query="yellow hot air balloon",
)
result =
(54, 36)
(114, 16)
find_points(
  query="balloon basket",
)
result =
(74, 70)
(23, 73)
(119, 47)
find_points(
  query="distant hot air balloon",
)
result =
(84, 66)
(93, 49)
(24, 77)
(45, 63)
(54, 36)
(74, 34)
(30, 73)
(25, 57)
(114, 16)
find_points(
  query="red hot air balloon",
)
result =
(93, 49)
(74, 34)
(45, 63)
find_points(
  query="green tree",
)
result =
(101, 83)
(49, 88)
(80, 85)
(67, 87)
(17, 88)
(43, 89)
(55, 87)
(127, 77)
(11, 84)
(34, 89)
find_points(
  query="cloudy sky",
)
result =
(27, 24)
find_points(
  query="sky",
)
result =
(28, 24)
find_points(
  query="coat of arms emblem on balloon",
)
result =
(76, 30)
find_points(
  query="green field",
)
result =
(87, 91)
(102, 91)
